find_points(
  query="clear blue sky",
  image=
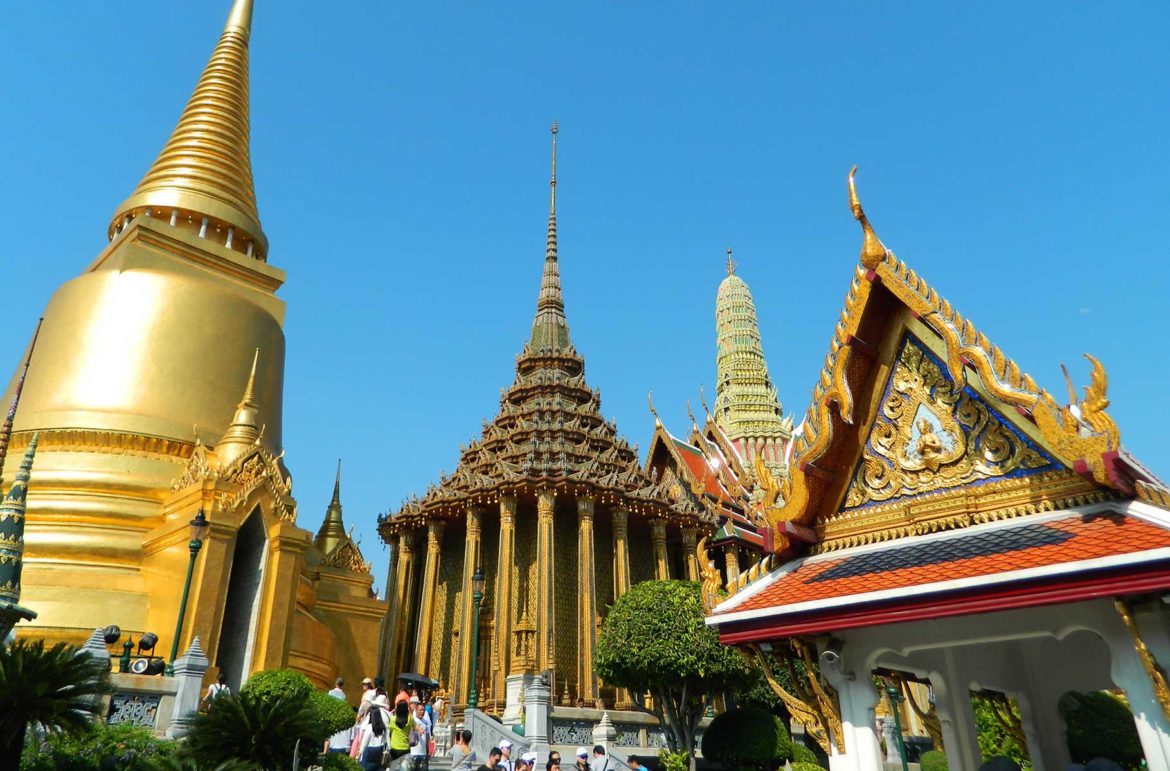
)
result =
(1015, 154)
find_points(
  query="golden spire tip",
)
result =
(241, 17)
(730, 263)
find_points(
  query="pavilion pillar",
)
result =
(545, 505)
(956, 714)
(731, 560)
(658, 541)
(1126, 646)
(403, 603)
(690, 547)
(863, 749)
(502, 601)
(468, 619)
(426, 603)
(621, 578)
(586, 602)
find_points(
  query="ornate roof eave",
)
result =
(1083, 435)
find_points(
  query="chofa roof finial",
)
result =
(873, 251)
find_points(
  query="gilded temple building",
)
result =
(156, 390)
(552, 503)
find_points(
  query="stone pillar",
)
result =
(731, 560)
(690, 547)
(1129, 673)
(604, 733)
(467, 618)
(426, 603)
(658, 539)
(537, 697)
(502, 598)
(401, 603)
(586, 603)
(545, 505)
(189, 669)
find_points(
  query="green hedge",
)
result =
(934, 760)
(1101, 726)
(802, 754)
(747, 738)
(803, 766)
(124, 747)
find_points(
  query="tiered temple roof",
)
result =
(549, 432)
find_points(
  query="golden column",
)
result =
(386, 637)
(502, 601)
(658, 539)
(467, 617)
(545, 505)
(586, 603)
(731, 559)
(621, 578)
(690, 547)
(621, 552)
(426, 605)
(403, 603)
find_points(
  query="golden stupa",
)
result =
(156, 388)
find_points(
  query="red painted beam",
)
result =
(1007, 598)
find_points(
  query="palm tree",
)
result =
(260, 731)
(57, 689)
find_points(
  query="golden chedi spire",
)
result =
(550, 328)
(332, 532)
(245, 430)
(747, 406)
(205, 168)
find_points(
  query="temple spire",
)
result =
(245, 430)
(10, 418)
(730, 263)
(12, 509)
(550, 329)
(205, 169)
(332, 532)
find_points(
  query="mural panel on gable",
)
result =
(932, 435)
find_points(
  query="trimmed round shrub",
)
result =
(802, 754)
(273, 684)
(335, 714)
(747, 738)
(934, 760)
(1101, 726)
(806, 766)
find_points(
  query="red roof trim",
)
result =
(1114, 583)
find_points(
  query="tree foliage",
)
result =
(1101, 726)
(272, 684)
(807, 765)
(53, 690)
(747, 738)
(655, 641)
(994, 739)
(335, 714)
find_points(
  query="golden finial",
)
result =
(703, 403)
(552, 204)
(1068, 381)
(650, 398)
(245, 430)
(873, 251)
(730, 263)
(205, 169)
(337, 484)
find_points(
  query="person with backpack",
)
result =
(214, 691)
(375, 735)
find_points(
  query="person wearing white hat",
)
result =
(506, 763)
(375, 734)
(582, 759)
